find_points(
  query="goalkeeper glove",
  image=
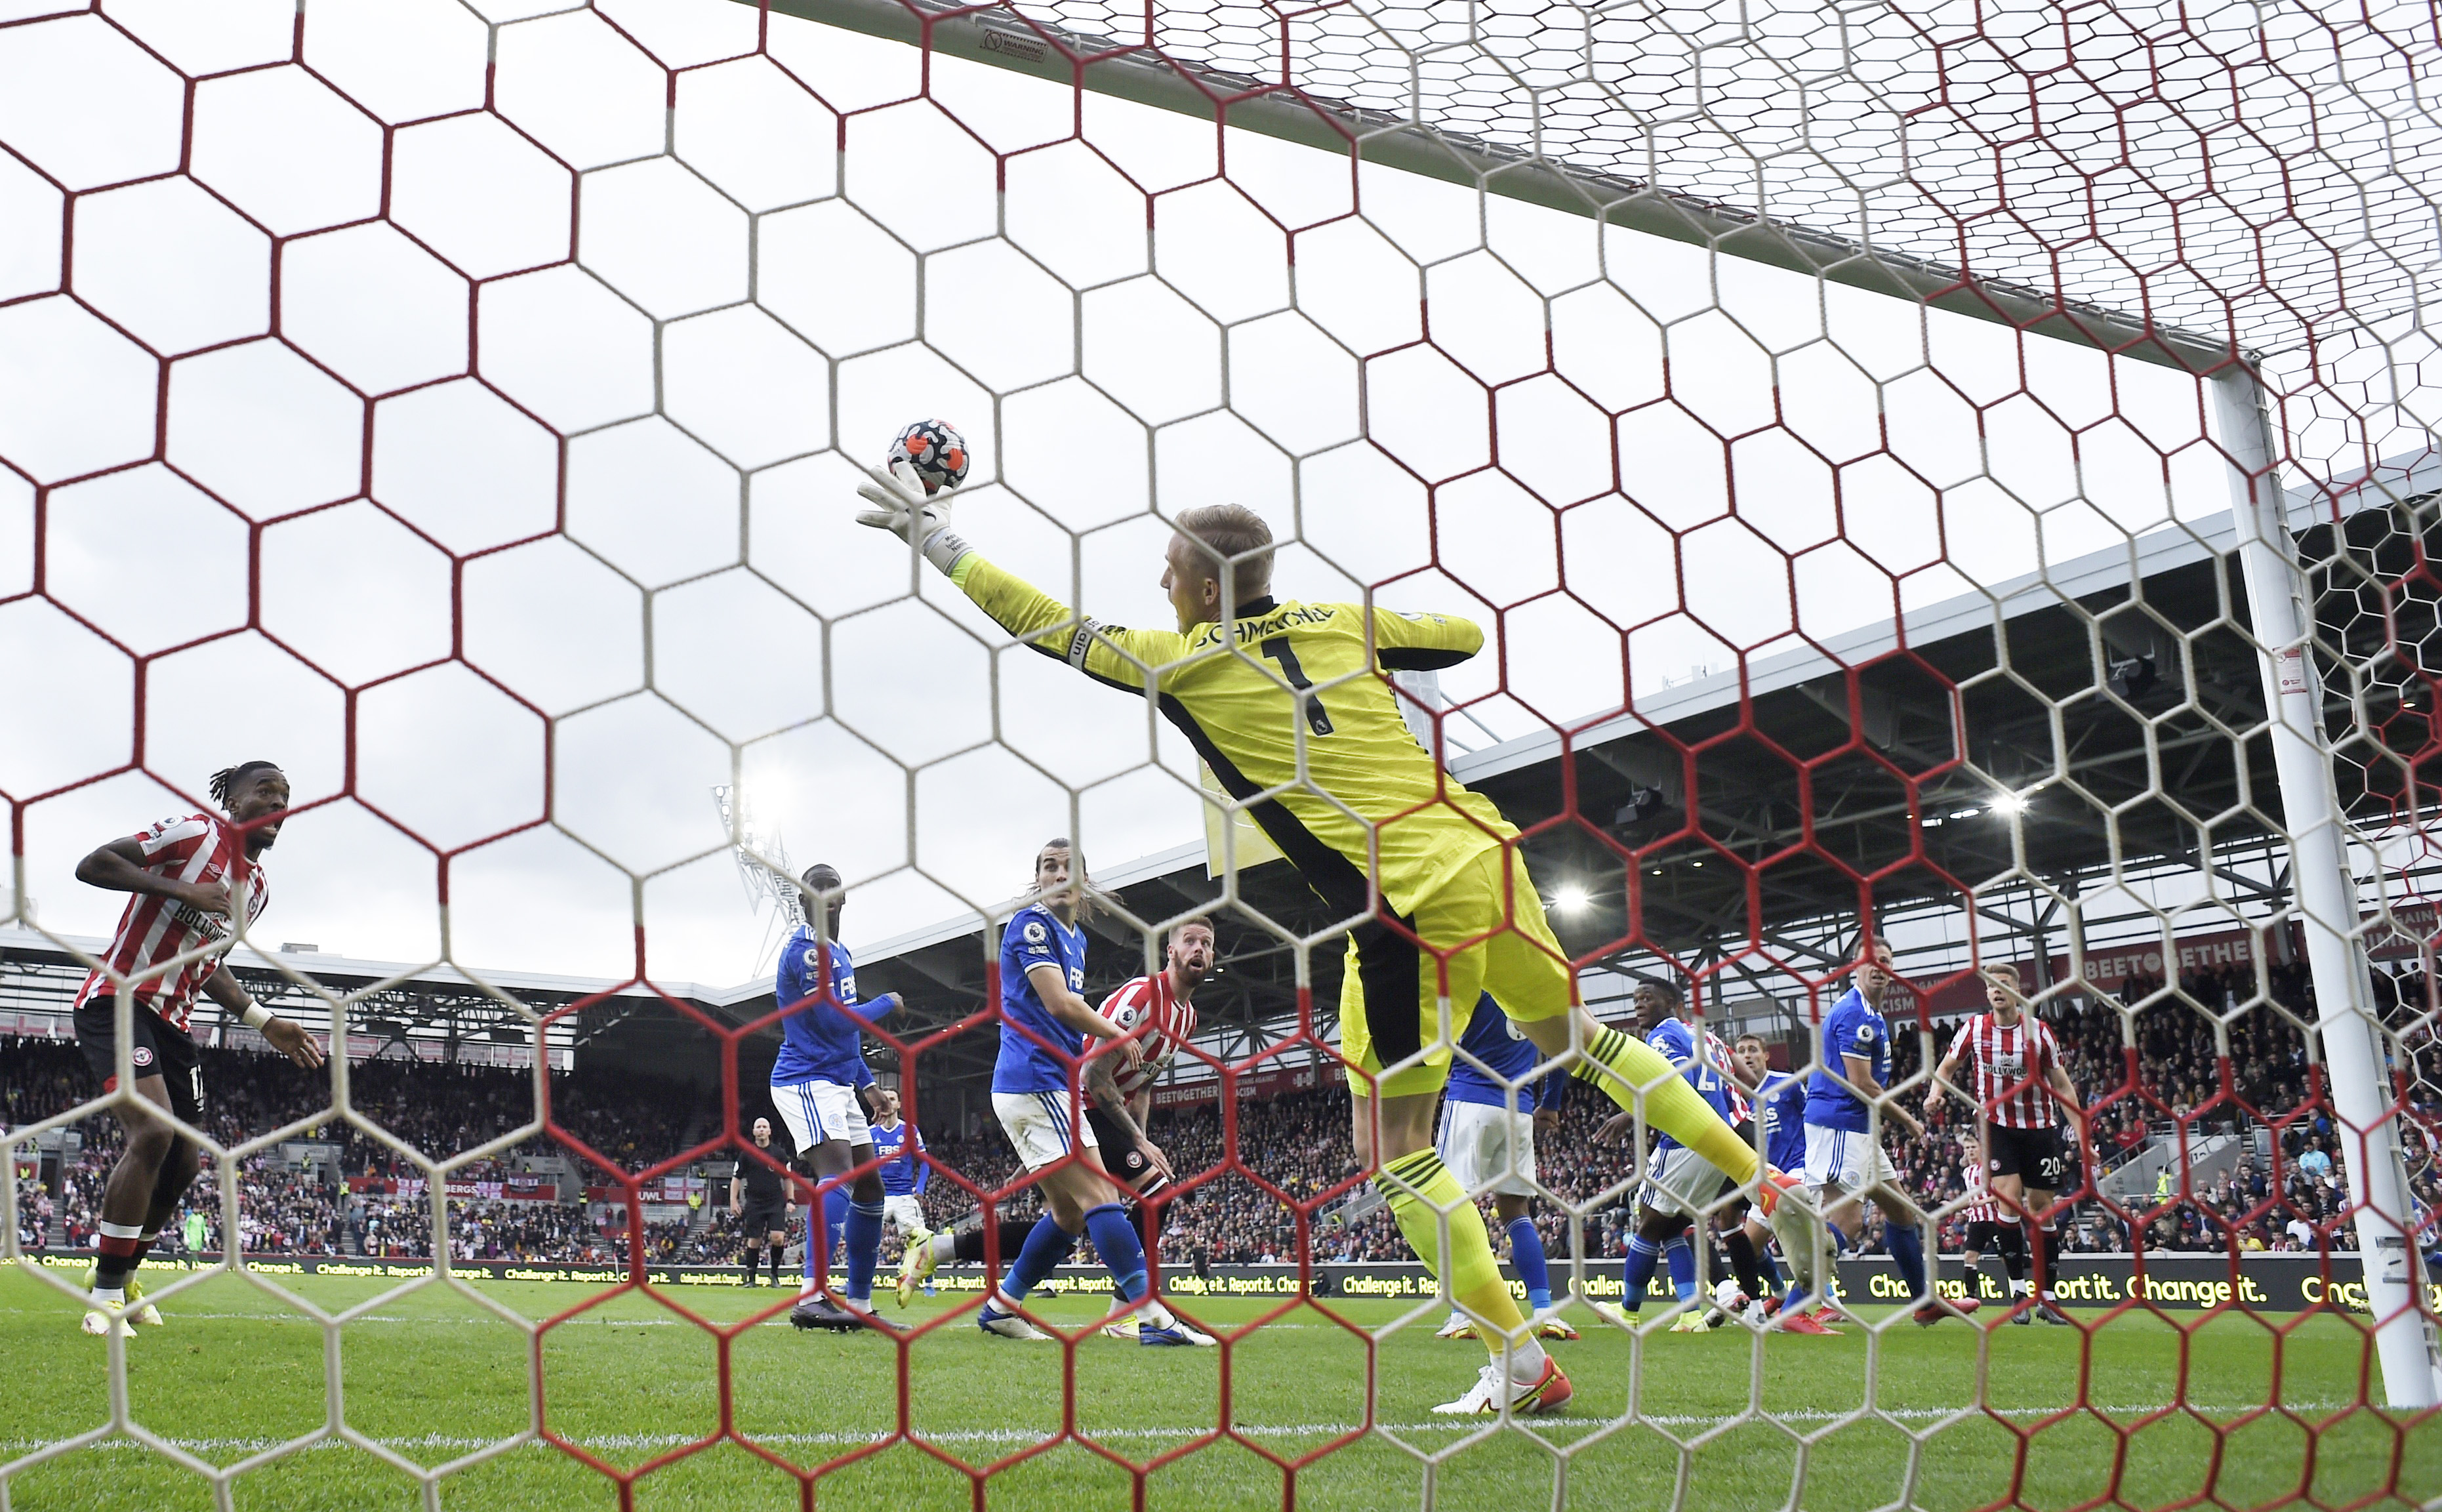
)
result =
(903, 508)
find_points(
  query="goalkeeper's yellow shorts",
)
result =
(1404, 1008)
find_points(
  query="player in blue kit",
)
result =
(900, 1146)
(1036, 1096)
(820, 1085)
(1681, 1187)
(1844, 1163)
(1778, 1100)
(1487, 1142)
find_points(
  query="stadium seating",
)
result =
(1298, 1142)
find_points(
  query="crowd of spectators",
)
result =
(2287, 1187)
(323, 1209)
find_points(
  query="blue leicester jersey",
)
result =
(1852, 1029)
(1676, 1038)
(818, 1043)
(894, 1145)
(1494, 1040)
(1035, 938)
(1782, 1098)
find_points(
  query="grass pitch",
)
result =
(434, 1378)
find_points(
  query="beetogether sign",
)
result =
(2172, 1282)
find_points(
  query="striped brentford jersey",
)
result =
(1148, 999)
(2007, 1069)
(1742, 1109)
(1979, 1193)
(197, 849)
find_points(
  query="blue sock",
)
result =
(1115, 1240)
(1642, 1255)
(835, 1221)
(1046, 1245)
(817, 1251)
(1683, 1267)
(1526, 1253)
(1907, 1252)
(863, 1249)
(1771, 1271)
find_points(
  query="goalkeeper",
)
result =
(1285, 706)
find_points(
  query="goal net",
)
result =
(1956, 475)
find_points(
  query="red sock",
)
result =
(117, 1257)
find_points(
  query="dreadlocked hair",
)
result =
(225, 781)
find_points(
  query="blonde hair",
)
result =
(1239, 543)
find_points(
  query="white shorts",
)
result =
(1039, 1125)
(817, 1112)
(1677, 1179)
(907, 1211)
(1846, 1162)
(1488, 1148)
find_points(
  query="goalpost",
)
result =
(1819, 406)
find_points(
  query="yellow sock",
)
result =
(1420, 1189)
(1620, 1065)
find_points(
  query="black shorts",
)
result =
(1122, 1157)
(160, 1051)
(1985, 1238)
(2034, 1156)
(760, 1218)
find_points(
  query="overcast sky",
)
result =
(749, 311)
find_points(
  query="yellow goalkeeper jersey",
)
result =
(1287, 683)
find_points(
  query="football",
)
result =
(936, 450)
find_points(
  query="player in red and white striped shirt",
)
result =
(1980, 1210)
(2020, 1091)
(189, 876)
(1987, 1230)
(1159, 1014)
(1158, 1017)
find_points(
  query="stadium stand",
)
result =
(2284, 1189)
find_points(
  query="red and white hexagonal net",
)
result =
(1780, 478)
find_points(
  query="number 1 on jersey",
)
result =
(1277, 649)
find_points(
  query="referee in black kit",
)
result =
(758, 1198)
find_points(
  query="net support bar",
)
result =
(2327, 903)
(999, 37)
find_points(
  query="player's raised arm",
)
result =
(1423, 643)
(1107, 653)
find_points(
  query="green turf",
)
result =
(433, 1377)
